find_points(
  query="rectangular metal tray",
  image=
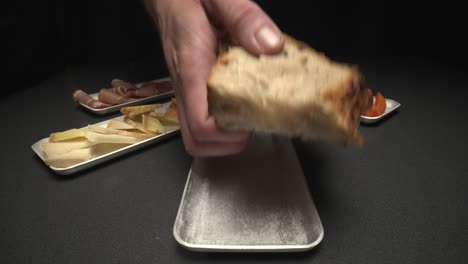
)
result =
(256, 201)
(116, 108)
(109, 152)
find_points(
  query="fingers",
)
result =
(247, 23)
(200, 134)
(207, 148)
(199, 131)
(189, 47)
(194, 70)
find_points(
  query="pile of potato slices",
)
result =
(77, 145)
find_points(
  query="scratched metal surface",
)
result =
(255, 201)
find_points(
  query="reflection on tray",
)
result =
(254, 201)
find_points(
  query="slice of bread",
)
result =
(298, 93)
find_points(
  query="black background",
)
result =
(400, 199)
(45, 37)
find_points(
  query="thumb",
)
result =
(247, 23)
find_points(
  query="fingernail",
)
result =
(267, 37)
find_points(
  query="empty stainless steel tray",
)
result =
(257, 201)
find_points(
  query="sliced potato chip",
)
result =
(118, 124)
(66, 135)
(138, 134)
(70, 158)
(132, 111)
(170, 117)
(59, 148)
(111, 138)
(101, 130)
(138, 126)
(153, 124)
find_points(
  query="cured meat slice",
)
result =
(151, 88)
(86, 99)
(123, 91)
(162, 86)
(116, 83)
(145, 91)
(108, 96)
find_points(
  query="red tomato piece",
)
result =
(378, 105)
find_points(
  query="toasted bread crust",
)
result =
(329, 110)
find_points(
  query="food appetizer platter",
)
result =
(379, 107)
(123, 93)
(76, 149)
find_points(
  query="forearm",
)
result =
(157, 9)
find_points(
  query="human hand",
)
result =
(190, 30)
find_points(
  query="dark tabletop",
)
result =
(401, 198)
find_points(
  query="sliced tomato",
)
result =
(378, 105)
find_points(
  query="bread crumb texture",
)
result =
(298, 92)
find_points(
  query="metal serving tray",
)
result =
(392, 105)
(105, 152)
(116, 108)
(257, 201)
